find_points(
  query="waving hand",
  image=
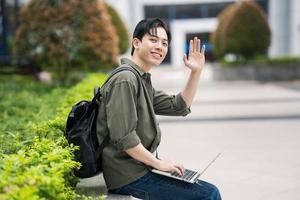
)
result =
(196, 58)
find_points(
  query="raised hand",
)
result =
(196, 58)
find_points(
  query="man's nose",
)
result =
(159, 46)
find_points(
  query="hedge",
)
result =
(24, 102)
(43, 168)
(243, 30)
(262, 61)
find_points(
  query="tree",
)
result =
(121, 29)
(60, 34)
(243, 30)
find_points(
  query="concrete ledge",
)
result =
(95, 187)
(261, 72)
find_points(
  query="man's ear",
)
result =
(136, 43)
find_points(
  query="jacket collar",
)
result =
(132, 64)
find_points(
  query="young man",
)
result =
(131, 125)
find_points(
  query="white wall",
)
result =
(284, 20)
(280, 27)
(295, 28)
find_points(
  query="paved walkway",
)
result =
(255, 125)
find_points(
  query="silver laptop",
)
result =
(189, 176)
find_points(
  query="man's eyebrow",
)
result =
(164, 39)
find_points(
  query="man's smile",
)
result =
(156, 54)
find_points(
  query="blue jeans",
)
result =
(155, 186)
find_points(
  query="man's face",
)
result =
(153, 49)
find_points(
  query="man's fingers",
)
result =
(177, 170)
(180, 168)
(191, 46)
(198, 45)
(195, 44)
(203, 49)
(185, 59)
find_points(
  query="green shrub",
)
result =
(24, 102)
(39, 171)
(62, 35)
(121, 29)
(42, 169)
(279, 61)
(243, 30)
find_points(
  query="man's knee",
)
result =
(211, 191)
(215, 193)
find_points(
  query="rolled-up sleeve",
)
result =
(122, 115)
(171, 105)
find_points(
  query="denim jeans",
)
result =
(155, 187)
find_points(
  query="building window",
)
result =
(8, 25)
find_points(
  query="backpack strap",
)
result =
(119, 69)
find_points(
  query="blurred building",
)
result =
(191, 18)
(186, 19)
(8, 25)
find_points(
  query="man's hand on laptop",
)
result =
(170, 166)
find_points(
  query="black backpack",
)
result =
(81, 131)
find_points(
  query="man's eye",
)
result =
(153, 40)
(165, 44)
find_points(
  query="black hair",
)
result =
(149, 26)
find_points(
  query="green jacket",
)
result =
(130, 120)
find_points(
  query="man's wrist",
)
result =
(156, 163)
(196, 72)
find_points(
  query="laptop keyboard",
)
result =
(188, 174)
